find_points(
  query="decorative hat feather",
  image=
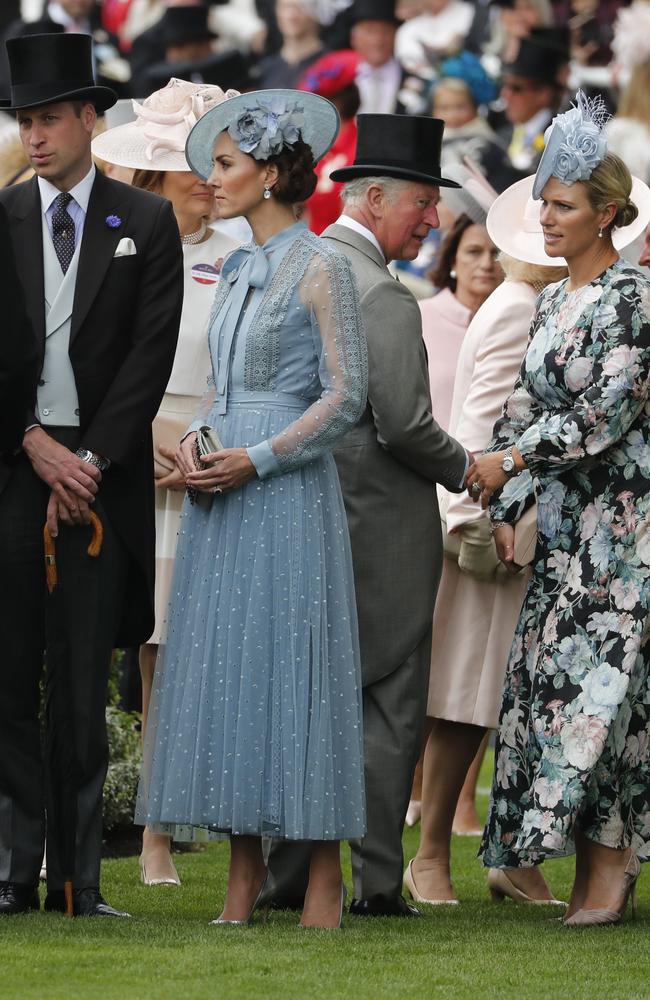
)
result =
(574, 143)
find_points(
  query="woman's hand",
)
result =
(184, 456)
(173, 480)
(504, 539)
(486, 475)
(232, 468)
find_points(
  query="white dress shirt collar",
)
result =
(357, 227)
(80, 192)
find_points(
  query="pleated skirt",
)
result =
(255, 722)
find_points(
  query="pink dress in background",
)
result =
(444, 325)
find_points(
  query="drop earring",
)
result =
(452, 273)
(600, 234)
(267, 192)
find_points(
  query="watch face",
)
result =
(508, 464)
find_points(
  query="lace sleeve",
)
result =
(329, 292)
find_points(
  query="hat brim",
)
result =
(126, 146)
(322, 124)
(401, 173)
(505, 223)
(102, 97)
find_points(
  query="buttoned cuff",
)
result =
(263, 458)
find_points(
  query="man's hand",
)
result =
(60, 468)
(73, 512)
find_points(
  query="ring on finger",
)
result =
(476, 489)
(217, 489)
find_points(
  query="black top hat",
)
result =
(48, 68)
(374, 10)
(222, 69)
(185, 24)
(541, 55)
(403, 146)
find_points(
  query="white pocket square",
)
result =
(125, 248)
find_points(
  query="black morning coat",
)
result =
(125, 324)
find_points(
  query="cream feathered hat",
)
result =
(156, 139)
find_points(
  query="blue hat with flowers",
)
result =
(574, 144)
(264, 123)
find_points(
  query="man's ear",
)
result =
(376, 198)
(88, 116)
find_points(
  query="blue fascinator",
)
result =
(574, 142)
(262, 124)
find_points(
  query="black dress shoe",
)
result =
(18, 898)
(383, 906)
(86, 903)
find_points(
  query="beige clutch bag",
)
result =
(207, 441)
(526, 537)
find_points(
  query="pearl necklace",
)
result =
(196, 237)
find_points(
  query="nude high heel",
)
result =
(169, 878)
(256, 906)
(594, 918)
(338, 926)
(409, 884)
(501, 886)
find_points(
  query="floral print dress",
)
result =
(574, 738)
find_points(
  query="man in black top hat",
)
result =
(101, 266)
(389, 465)
(83, 16)
(531, 89)
(380, 78)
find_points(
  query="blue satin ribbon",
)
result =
(245, 268)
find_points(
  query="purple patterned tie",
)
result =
(63, 231)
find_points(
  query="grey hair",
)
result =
(355, 191)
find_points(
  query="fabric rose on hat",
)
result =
(168, 115)
(267, 128)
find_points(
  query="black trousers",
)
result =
(72, 632)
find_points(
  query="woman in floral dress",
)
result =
(573, 755)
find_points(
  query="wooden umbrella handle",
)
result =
(94, 548)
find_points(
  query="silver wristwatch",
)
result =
(89, 456)
(508, 464)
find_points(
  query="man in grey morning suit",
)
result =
(389, 465)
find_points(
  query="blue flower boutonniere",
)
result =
(113, 221)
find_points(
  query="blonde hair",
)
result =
(456, 86)
(635, 99)
(537, 275)
(611, 183)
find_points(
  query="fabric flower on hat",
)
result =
(574, 143)
(168, 115)
(268, 128)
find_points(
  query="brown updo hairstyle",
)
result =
(296, 174)
(440, 273)
(611, 183)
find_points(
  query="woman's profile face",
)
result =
(190, 196)
(569, 223)
(478, 271)
(237, 179)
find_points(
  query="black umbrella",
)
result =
(62, 798)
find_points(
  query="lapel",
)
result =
(28, 241)
(353, 239)
(98, 244)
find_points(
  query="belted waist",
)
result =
(269, 400)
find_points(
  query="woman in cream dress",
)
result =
(478, 604)
(153, 147)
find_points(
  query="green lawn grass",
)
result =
(168, 951)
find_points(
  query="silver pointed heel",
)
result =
(264, 910)
(409, 884)
(501, 886)
(598, 918)
(147, 879)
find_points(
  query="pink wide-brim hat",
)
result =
(156, 139)
(513, 223)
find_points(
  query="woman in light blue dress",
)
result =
(255, 724)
